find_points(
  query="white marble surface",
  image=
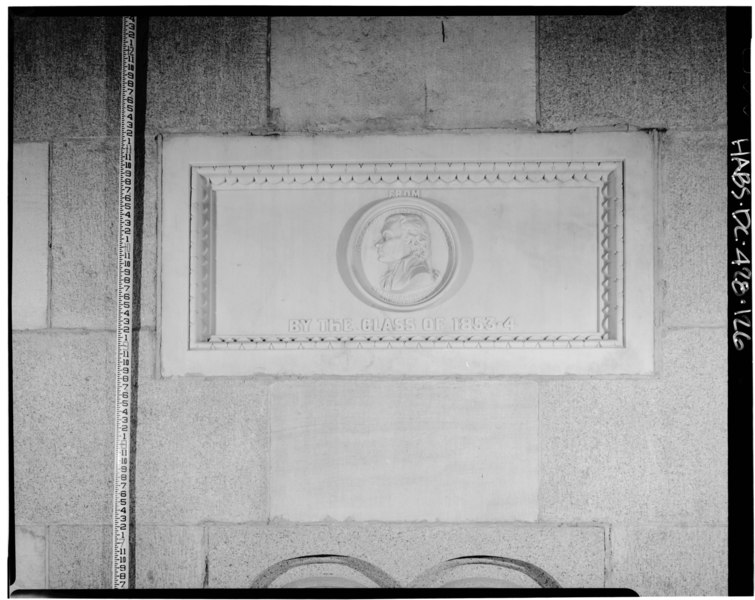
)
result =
(535, 248)
(531, 264)
(30, 554)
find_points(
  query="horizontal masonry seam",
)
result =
(76, 330)
(61, 139)
(150, 132)
(598, 525)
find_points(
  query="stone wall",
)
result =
(632, 474)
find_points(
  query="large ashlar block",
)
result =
(574, 556)
(149, 240)
(145, 359)
(30, 554)
(80, 556)
(694, 236)
(207, 74)
(65, 76)
(84, 233)
(388, 73)
(666, 67)
(464, 254)
(640, 451)
(30, 235)
(670, 561)
(63, 398)
(169, 557)
(202, 451)
(407, 451)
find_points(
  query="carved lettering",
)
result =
(403, 324)
(404, 194)
(299, 325)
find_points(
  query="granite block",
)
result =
(202, 451)
(651, 67)
(643, 450)
(169, 557)
(63, 411)
(84, 233)
(207, 74)
(574, 556)
(393, 73)
(30, 235)
(66, 76)
(597, 450)
(691, 428)
(670, 561)
(80, 556)
(482, 74)
(408, 451)
(148, 255)
(31, 558)
(693, 239)
(146, 355)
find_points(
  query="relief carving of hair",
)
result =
(405, 247)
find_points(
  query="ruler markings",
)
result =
(122, 436)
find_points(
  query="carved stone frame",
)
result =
(604, 177)
(617, 166)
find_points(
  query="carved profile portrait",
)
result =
(405, 247)
(400, 253)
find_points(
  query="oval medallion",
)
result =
(402, 254)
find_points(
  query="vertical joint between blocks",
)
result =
(49, 234)
(607, 565)
(206, 553)
(47, 557)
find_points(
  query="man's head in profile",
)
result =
(404, 246)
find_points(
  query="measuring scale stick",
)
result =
(126, 180)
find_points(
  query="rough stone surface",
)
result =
(207, 74)
(84, 233)
(63, 386)
(65, 76)
(482, 57)
(393, 73)
(407, 451)
(146, 354)
(694, 197)
(30, 235)
(574, 556)
(595, 448)
(80, 556)
(639, 450)
(31, 558)
(169, 557)
(652, 67)
(670, 561)
(202, 451)
(149, 239)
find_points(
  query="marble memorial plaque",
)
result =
(435, 254)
